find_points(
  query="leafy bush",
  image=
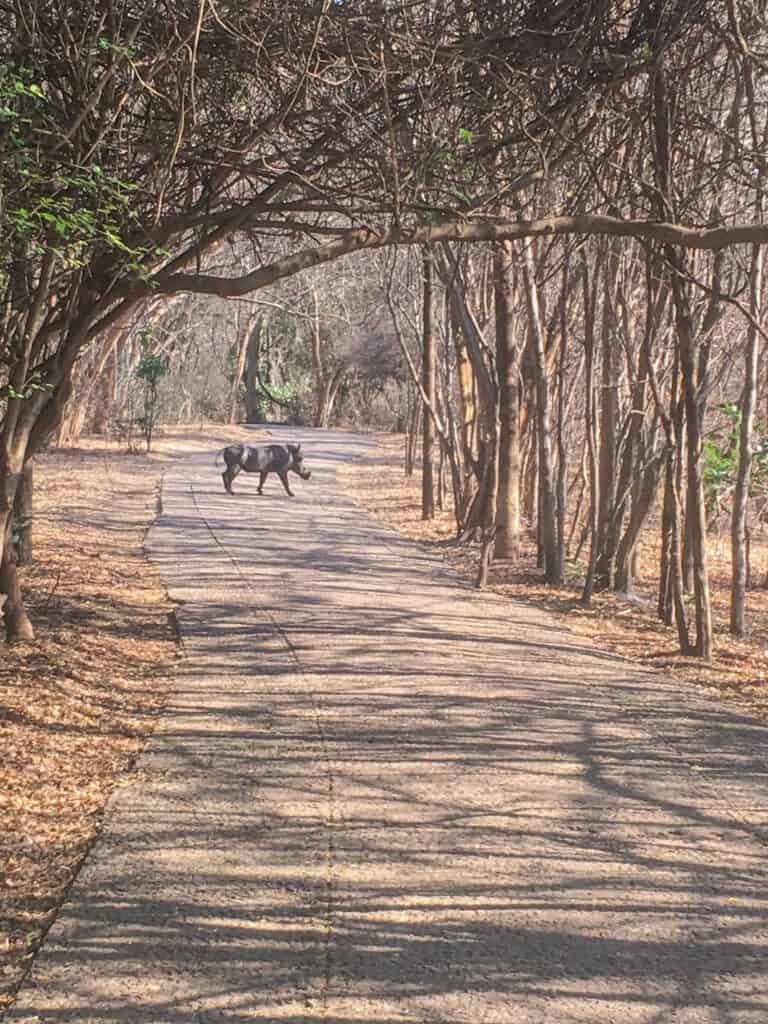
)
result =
(721, 460)
(153, 366)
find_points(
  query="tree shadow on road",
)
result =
(379, 798)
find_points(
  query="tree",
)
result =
(508, 372)
(152, 367)
(141, 141)
(428, 371)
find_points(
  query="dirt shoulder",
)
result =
(78, 704)
(739, 670)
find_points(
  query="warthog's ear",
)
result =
(298, 446)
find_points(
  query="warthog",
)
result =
(263, 459)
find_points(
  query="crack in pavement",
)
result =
(332, 813)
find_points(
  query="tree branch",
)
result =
(360, 239)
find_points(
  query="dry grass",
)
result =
(77, 705)
(739, 670)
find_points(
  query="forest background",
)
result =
(535, 229)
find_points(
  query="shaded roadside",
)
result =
(76, 706)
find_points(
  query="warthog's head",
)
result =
(297, 464)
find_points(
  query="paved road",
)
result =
(380, 796)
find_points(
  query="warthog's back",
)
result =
(266, 458)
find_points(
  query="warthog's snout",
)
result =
(304, 474)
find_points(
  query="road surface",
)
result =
(381, 796)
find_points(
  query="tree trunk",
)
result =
(508, 371)
(553, 572)
(590, 427)
(481, 445)
(529, 474)
(664, 606)
(17, 624)
(450, 441)
(73, 418)
(253, 326)
(693, 385)
(581, 482)
(689, 519)
(739, 559)
(317, 360)
(15, 430)
(679, 489)
(607, 527)
(637, 478)
(16, 621)
(562, 433)
(672, 585)
(642, 502)
(22, 514)
(253, 395)
(694, 441)
(414, 419)
(466, 388)
(671, 606)
(428, 380)
(491, 502)
(329, 389)
(104, 399)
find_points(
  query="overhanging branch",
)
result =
(362, 239)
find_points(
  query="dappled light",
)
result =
(378, 795)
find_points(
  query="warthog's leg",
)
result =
(262, 477)
(284, 478)
(228, 476)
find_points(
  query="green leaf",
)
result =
(462, 196)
